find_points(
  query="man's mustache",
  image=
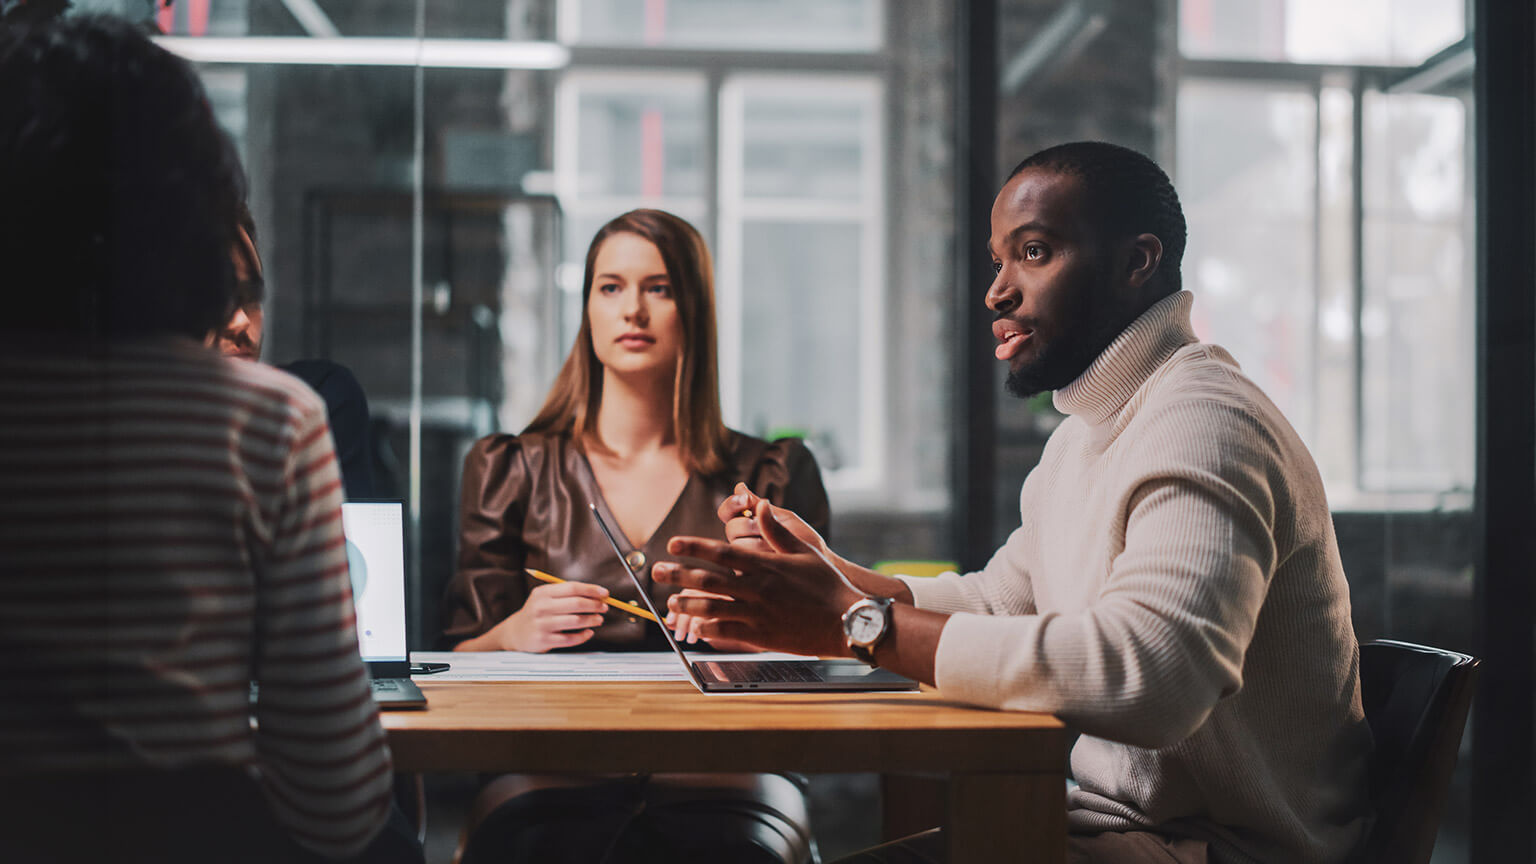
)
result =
(1029, 322)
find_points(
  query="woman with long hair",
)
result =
(633, 426)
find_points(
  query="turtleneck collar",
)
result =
(1116, 374)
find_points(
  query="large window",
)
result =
(1323, 164)
(1416, 323)
(801, 257)
(783, 170)
(624, 139)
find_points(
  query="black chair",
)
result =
(1416, 700)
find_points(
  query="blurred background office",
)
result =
(426, 175)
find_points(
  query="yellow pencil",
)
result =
(617, 604)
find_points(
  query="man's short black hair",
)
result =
(1127, 195)
(116, 185)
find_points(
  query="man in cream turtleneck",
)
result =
(1173, 590)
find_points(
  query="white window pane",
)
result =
(801, 210)
(779, 25)
(1406, 32)
(1417, 323)
(1413, 158)
(800, 335)
(1395, 32)
(1213, 28)
(640, 138)
(1247, 179)
(798, 147)
(1334, 438)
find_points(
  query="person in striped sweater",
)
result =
(170, 523)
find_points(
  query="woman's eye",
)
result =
(997, 266)
(661, 289)
(609, 288)
(1034, 253)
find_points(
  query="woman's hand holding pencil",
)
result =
(617, 604)
(557, 615)
(685, 625)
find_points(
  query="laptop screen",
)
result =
(376, 559)
(693, 674)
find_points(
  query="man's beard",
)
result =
(1057, 366)
(1061, 362)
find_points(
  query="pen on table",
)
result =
(617, 604)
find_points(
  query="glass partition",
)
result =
(426, 176)
(395, 155)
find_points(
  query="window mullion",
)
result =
(1357, 265)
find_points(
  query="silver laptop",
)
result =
(376, 560)
(763, 676)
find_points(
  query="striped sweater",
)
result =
(1174, 591)
(170, 530)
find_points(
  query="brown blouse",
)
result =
(524, 504)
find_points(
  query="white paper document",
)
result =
(579, 666)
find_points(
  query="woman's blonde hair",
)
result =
(571, 406)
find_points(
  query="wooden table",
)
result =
(1006, 799)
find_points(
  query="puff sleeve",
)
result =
(488, 584)
(787, 475)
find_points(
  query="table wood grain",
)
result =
(1006, 770)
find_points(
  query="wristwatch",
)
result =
(865, 624)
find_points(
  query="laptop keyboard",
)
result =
(767, 671)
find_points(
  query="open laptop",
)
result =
(763, 676)
(376, 560)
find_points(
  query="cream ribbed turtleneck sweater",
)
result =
(1174, 591)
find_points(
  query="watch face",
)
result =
(866, 625)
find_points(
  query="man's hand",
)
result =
(782, 597)
(554, 616)
(740, 514)
(745, 530)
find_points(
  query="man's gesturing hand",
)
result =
(782, 597)
(740, 515)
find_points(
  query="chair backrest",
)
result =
(1416, 700)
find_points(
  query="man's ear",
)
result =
(1146, 254)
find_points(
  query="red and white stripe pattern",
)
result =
(170, 530)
